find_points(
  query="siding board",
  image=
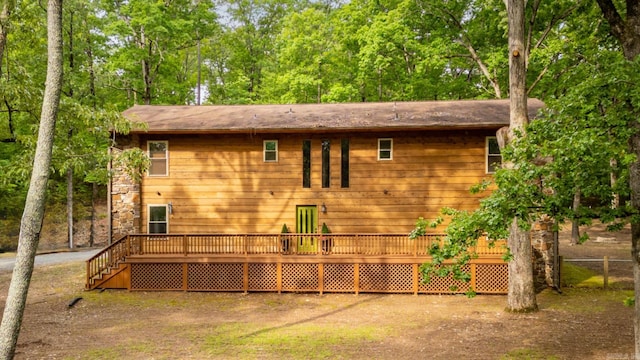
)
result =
(221, 184)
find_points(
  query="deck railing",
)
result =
(271, 244)
(108, 258)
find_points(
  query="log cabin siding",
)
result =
(220, 183)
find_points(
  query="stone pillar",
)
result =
(125, 194)
(542, 241)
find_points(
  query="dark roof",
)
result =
(419, 115)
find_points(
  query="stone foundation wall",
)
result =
(542, 242)
(125, 195)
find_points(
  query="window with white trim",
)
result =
(494, 158)
(270, 150)
(385, 149)
(158, 219)
(159, 155)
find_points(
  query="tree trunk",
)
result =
(521, 296)
(70, 207)
(33, 214)
(628, 33)
(634, 184)
(615, 197)
(5, 11)
(575, 222)
(92, 230)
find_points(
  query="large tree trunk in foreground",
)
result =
(522, 292)
(634, 184)
(521, 296)
(34, 206)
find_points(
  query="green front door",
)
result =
(307, 223)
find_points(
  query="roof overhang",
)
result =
(322, 118)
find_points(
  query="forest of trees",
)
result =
(119, 53)
(579, 57)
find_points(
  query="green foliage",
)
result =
(575, 145)
(629, 301)
(285, 229)
(134, 161)
(325, 229)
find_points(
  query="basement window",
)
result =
(270, 150)
(494, 158)
(159, 155)
(158, 223)
(385, 149)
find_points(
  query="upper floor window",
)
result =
(306, 163)
(385, 149)
(494, 158)
(159, 155)
(326, 163)
(270, 150)
(344, 163)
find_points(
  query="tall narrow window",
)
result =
(158, 219)
(306, 163)
(326, 163)
(344, 163)
(385, 149)
(494, 158)
(159, 155)
(270, 150)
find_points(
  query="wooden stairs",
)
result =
(115, 277)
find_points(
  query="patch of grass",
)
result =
(120, 351)
(301, 341)
(528, 354)
(583, 300)
(578, 276)
(160, 300)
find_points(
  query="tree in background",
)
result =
(151, 41)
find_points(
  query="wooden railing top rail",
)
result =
(359, 244)
(111, 246)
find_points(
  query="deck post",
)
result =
(356, 277)
(473, 280)
(321, 278)
(245, 280)
(415, 247)
(185, 244)
(415, 279)
(185, 276)
(87, 286)
(279, 277)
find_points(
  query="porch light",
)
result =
(170, 208)
(323, 208)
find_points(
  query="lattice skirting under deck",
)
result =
(311, 277)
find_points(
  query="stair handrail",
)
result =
(108, 257)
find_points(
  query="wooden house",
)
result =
(362, 172)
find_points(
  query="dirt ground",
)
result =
(583, 322)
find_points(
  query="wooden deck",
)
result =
(285, 262)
